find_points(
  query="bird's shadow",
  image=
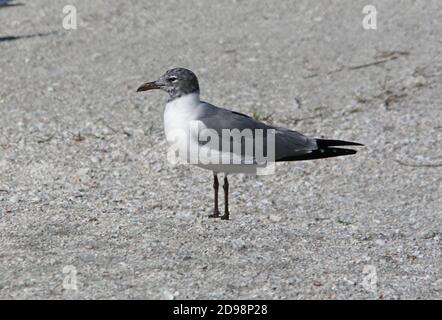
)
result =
(13, 38)
(7, 4)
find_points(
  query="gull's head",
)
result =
(176, 82)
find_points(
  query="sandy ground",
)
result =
(85, 187)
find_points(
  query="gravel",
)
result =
(91, 209)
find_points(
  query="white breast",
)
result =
(180, 117)
(180, 112)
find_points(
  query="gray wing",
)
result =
(287, 142)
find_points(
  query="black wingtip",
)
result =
(320, 153)
(324, 143)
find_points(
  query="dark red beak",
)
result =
(148, 86)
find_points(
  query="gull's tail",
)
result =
(326, 149)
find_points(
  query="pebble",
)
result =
(35, 200)
(438, 284)
(380, 242)
(14, 199)
(167, 295)
(82, 172)
(418, 81)
(274, 218)
(426, 234)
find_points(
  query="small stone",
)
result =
(185, 215)
(35, 200)
(380, 242)
(438, 284)
(95, 160)
(14, 199)
(82, 172)
(238, 244)
(167, 295)
(82, 175)
(349, 282)
(418, 81)
(297, 103)
(274, 218)
(426, 234)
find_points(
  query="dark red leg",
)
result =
(216, 213)
(225, 216)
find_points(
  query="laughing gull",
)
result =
(186, 117)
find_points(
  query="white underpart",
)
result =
(180, 116)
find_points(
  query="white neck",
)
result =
(188, 98)
(180, 111)
(184, 104)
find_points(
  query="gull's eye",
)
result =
(172, 79)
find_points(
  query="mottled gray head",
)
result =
(176, 82)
